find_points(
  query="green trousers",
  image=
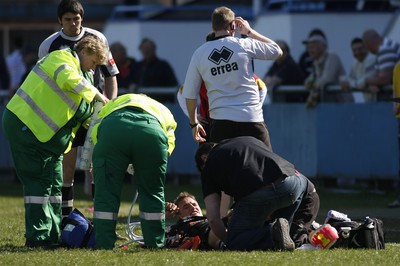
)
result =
(39, 168)
(130, 136)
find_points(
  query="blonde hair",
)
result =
(93, 46)
(221, 18)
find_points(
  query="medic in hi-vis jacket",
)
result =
(40, 121)
(131, 129)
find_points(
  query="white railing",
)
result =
(329, 90)
(171, 91)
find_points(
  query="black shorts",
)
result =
(225, 129)
(80, 137)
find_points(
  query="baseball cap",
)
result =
(315, 38)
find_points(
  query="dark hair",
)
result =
(316, 31)
(72, 6)
(284, 46)
(147, 40)
(356, 40)
(203, 149)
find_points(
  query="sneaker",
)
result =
(280, 235)
(394, 204)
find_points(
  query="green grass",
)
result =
(360, 204)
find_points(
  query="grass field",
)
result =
(357, 205)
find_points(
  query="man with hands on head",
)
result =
(225, 66)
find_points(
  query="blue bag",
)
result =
(77, 231)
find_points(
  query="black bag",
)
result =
(360, 233)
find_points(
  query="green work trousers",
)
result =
(39, 168)
(126, 136)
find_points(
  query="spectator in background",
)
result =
(305, 61)
(126, 66)
(29, 57)
(4, 75)
(16, 66)
(387, 54)
(327, 68)
(362, 68)
(284, 71)
(152, 71)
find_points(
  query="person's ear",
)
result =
(233, 25)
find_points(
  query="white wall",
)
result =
(176, 40)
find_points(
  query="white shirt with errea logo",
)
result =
(225, 65)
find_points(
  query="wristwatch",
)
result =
(193, 125)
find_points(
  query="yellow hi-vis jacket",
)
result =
(396, 84)
(154, 108)
(51, 94)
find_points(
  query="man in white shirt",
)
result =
(225, 66)
(362, 68)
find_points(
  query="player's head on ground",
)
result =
(70, 15)
(188, 205)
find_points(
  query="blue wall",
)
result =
(332, 140)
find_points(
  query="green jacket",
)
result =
(154, 108)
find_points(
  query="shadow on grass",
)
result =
(14, 249)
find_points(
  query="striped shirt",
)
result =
(388, 55)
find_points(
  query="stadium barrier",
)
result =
(331, 140)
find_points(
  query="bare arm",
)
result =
(382, 78)
(212, 202)
(111, 87)
(245, 29)
(197, 131)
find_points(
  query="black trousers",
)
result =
(226, 129)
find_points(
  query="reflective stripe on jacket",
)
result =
(51, 94)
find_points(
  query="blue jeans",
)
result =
(247, 229)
